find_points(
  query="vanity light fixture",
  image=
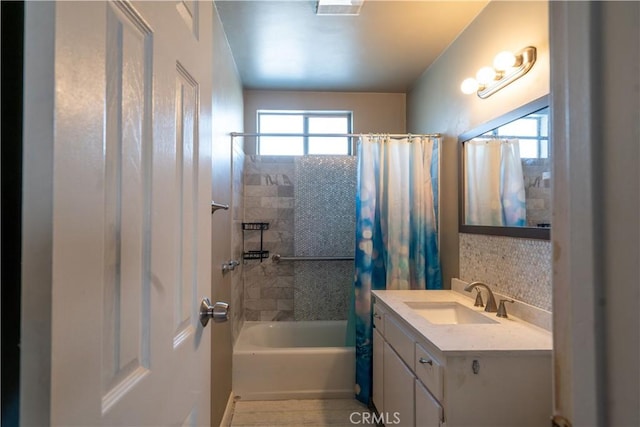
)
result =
(507, 67)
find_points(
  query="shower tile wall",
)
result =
(309, 204)
(520, 268)
(237, 206)
(538, 191)
(268, 197)
(325, 189)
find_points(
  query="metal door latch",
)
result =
(219, 311)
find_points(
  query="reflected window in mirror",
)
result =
(506, 175)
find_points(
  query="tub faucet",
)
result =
(491, 301)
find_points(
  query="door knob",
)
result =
(219, 311)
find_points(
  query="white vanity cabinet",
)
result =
(378, 356)
(400, 397)
(428, 410)
(417, 384)
(398, 393)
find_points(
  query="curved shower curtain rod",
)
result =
(335, 135)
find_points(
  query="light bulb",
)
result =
(504, 60)
(469, 86)
(485, 75)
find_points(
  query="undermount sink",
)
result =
(448, 313)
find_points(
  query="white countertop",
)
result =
(507, 335)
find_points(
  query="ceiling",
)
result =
(284, 45)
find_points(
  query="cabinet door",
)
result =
(428, 410)
(378, 377)
(398, 393)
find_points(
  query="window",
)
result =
(304, 124)
(533, 133)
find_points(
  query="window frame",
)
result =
(539, 138)
(306, 115)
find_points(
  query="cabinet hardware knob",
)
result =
(423, 361)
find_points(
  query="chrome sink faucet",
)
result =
(491, 303)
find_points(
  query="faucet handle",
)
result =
(479, 302)
(230, 265)
(502, 310)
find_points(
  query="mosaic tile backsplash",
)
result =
(520, 268)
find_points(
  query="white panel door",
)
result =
(131, 213)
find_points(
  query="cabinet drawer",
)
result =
(429, 371)
(401, 341)
(378, 318)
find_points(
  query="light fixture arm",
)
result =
(525, 59)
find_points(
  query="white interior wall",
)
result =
(227, 111)
(372, 112)
(596, 129)
(436, 104)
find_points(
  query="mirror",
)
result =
(505, 175)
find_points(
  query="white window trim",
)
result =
(306, 115)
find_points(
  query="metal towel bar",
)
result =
(278, 258)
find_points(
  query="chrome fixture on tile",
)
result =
(279, 258)
(215, 206)
(502, 310)
(230, 265)
(491, 303)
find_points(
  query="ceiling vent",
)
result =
(338, 7)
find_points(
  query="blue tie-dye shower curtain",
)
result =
(396, 231)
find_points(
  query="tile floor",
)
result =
(317, 413)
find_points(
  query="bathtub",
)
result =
(293, 360)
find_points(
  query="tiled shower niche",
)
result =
(309, 203)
